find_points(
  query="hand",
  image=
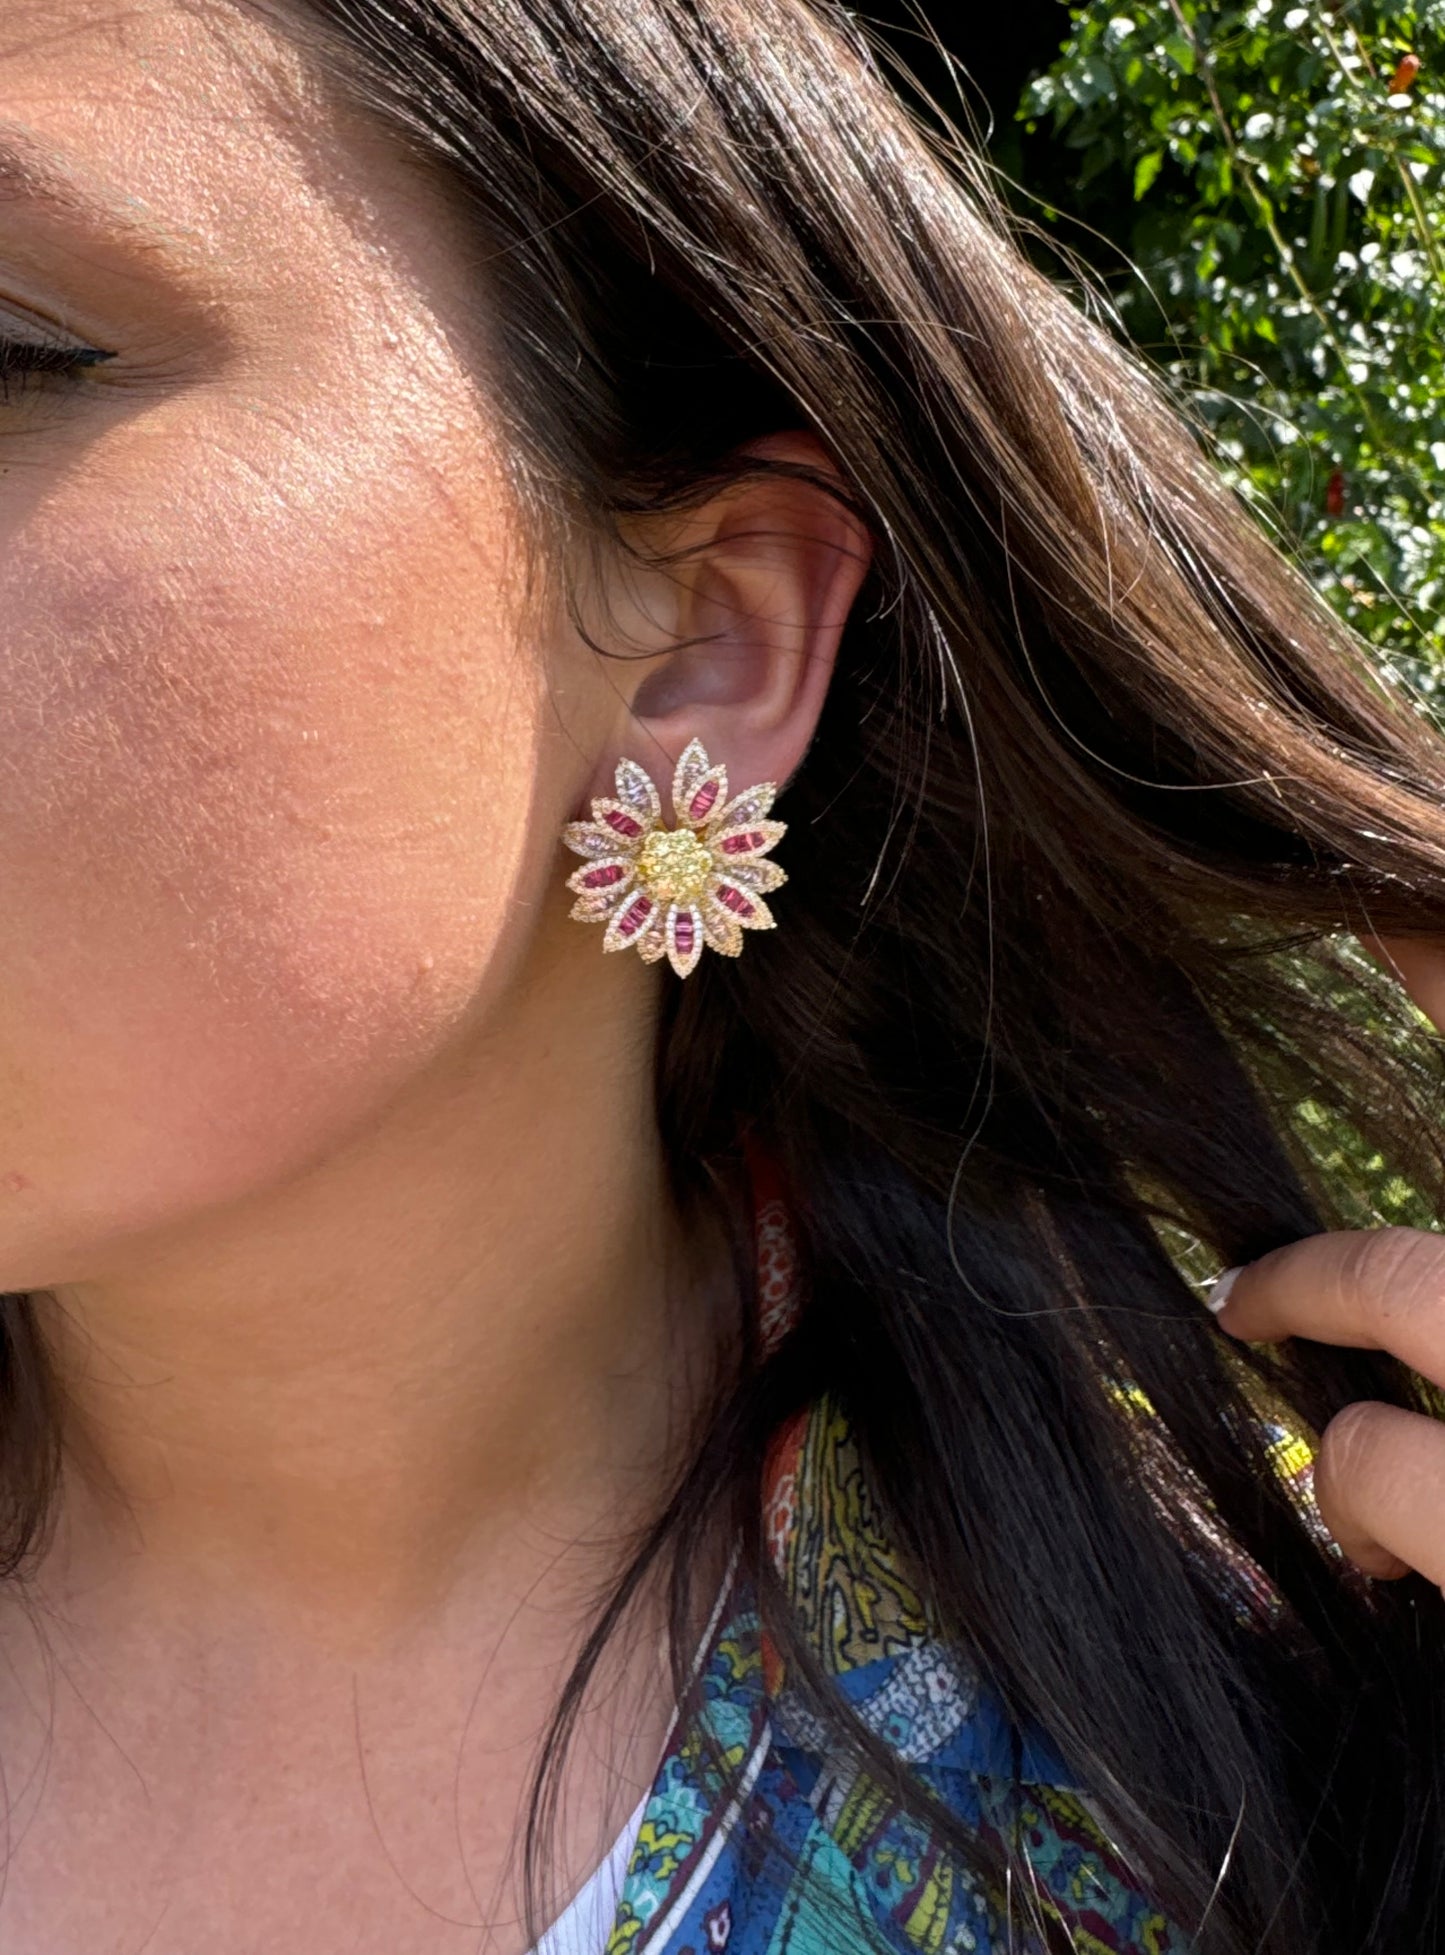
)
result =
(1380, 1471)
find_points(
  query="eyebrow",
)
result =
(30, 171)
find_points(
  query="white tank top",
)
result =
(583, 1926)
(585, 1923)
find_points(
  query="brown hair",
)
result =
(1098, 786)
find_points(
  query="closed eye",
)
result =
(28, 364)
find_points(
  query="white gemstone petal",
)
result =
(652, 947)
(594, 838)
(759, 876)
(635, 790)
(750, 806)
(597, 904)
(722, 931)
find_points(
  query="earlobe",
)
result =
(1418, 965)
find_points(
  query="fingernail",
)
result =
(1220, 1288)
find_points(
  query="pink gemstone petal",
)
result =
(692, 765)
(684, 938)
(746, 843)
(627, 922)
(596, 905)
(701, 804)
(751, 911)
(605, 874)
(695, 809)
(624, 824)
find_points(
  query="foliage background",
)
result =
(1256, 190)
(1265, 187)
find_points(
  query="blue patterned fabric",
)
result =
(762, 1837)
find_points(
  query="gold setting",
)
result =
(667, 891)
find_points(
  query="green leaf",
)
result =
(1330, 190)
(1145, 171)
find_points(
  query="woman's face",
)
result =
(282, 766)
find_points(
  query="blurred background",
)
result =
(1255, 195)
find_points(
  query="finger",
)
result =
(1378, 1481)
(1418, 966)
(1377, 1289)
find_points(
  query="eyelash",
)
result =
(22, 358)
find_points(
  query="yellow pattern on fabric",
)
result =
(825, 1527)
(927, 1926)
(855, 1601)
(861, 1814)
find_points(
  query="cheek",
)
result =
(270, 748)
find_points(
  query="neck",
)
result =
(456, 1343)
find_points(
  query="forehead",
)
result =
(196, 140)
(157, 103)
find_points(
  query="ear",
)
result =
(748, 605)
(1418, 965)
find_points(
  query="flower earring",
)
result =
(668, 891)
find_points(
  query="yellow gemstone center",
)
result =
(673, 866)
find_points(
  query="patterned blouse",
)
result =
(862, 1875)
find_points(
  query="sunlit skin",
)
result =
(326, 1141)
(327, 1137)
